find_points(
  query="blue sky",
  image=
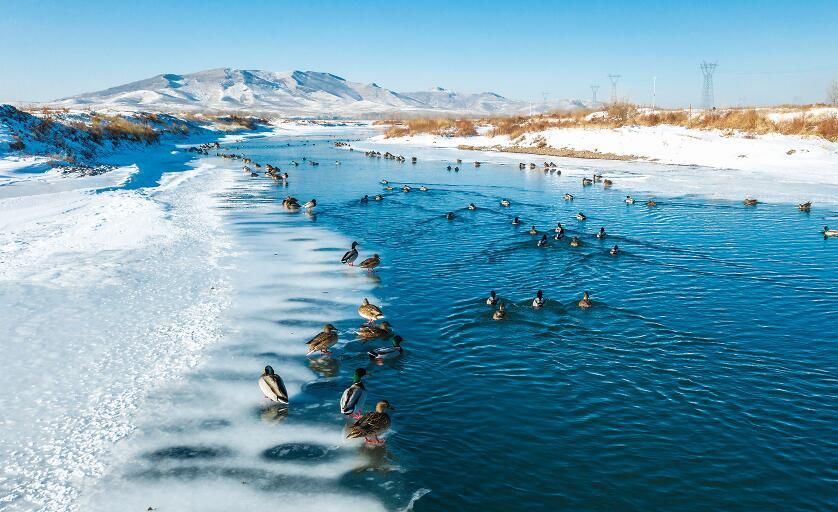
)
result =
(768, 52)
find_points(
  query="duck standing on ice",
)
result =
(351, 255)
(372, 424)
(272, 386)
(370, 312)
(323, 341)
(371, 263)
(353, 398)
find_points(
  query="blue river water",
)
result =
(703, 377)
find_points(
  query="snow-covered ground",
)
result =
(674, 160)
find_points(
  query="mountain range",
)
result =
(295, 94)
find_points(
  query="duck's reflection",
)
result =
(273, 412)
(325, 366)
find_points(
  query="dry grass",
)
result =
(750, 121)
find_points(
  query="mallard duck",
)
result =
(629, 200)
(493, 298)
(369, 332)
(559, 228)
(568, 197)
(750, 202)
(516, 221)
(423, 188)
(805, 207)
(614, 251)
(522, 165)
(607, 183)
(365, 199)
(370, 312)
(505, 202)
(406, 188)
(542, 242)
(380, 354)
(601, 235)
(372, 424)
(291, 203)
(323, 341)
(272, 386)
(580, 216)
(499, 313)
(597, 177)
(559, 235)
(585, 302)
(533, 231)
(371, 263)
(575, 242)
(651, 203)
(351, 255)
(587, 182)
(379, 197)
(829, 232)
(254, 175)
(353, 398)
(449, 215)
(472, 206)
(538, 301)
(311, 204)
(384, 182)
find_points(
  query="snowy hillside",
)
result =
(291, 93)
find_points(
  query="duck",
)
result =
(651, 203)
(601, 234)
(449, 215)
(351, 255)
(629, 200)
(607, 183)
(516, 221)
(597, 177)
(587, 182)
(323, 341)
(370, 332)
(353, 398)
(272, 386)
(311, 204)
(505, 202)
(580, 216)
(499, 313)
(472, 206)
(477, 164)
(614, 251)
(372, 424)
(538, 301)
(380, 354)
(371, 263)
(805, 207)
(533, 231)
(750, 202)
(406, 188)
(423, 188)
(568, 197)
(575, 242)
(365, 199)
(585, 302)
(370, 312)
(291, 203)
(388, 188)
(829, 232)
(559, 228)
(378, 197)
(542, 242)
(384, 182)
(459, 160)
(493, 298)
(559, 235)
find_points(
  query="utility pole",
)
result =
(614, 79)
(594, 89)
(707, 69)
(654, 91)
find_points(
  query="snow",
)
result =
(675, 161)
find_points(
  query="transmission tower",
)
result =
(594, 89)
(707, 69)
(614, 79)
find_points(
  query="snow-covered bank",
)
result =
(674, 160)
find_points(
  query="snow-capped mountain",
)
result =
(291, 93)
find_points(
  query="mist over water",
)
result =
(702, 379)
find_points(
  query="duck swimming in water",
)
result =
(651, 203)
(538, 301)
(805, 207)
(829, 232)
(750, 202)
(370, 312)
(379, 197)
(533, 231)
(383, 353)
(516, 221)
(272, 386)
(575, 242)
(311, 204)
(568, 197)
(585, 302)
(500, 313)
(587, 182)
(372, 424)
(353, 398)
(449, 215)
(607, 183)
(406, 188)
(614, 251)
(472, 206)
(323, 341)
(542, 242)
(384, 182)
(369, 332)
(291, 203)
(371, 263)
(388, 188)
(601, 235)
(351, 255)
(505, 202)
(423, 188)
(493, 298)
(580, 216)
(629, 200)
(365, 199)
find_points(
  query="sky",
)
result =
(768, 52)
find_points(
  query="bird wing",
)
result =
(347, 256)
(352, 398)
